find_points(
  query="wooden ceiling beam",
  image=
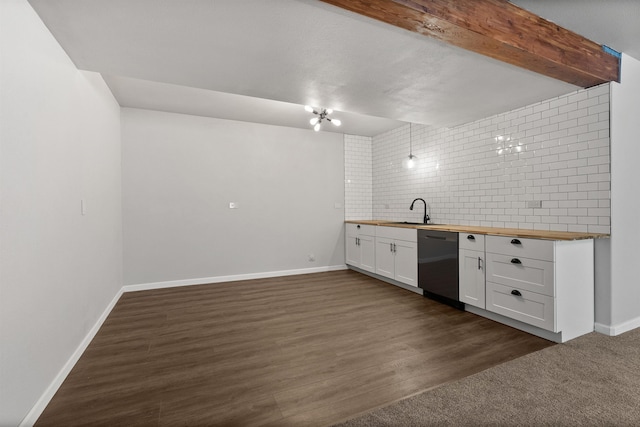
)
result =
(501, 30)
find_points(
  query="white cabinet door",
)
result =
(360, 246)
(367, 253)
(472, 277)
(353, 256)
(385, 260)
(397, 259)
(406, 262)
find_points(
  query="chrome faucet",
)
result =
(426, 217)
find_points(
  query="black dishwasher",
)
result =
(438, 266)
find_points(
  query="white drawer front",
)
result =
(475, 242)
(398, 233)
(360, 229)
(528, 307)
(521, 273)
(520, 247)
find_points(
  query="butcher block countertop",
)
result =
(495, 231)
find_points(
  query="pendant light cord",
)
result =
(410, 139)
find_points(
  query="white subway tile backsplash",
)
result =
(482, 173)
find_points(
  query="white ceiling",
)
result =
(260, 61)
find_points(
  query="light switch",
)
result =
(233, 205)
(83, 207)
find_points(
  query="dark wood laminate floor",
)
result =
(298, 350)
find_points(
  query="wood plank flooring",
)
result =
(299, 350)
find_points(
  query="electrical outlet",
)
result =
(233, 205)
(312, 257)
(534, 204)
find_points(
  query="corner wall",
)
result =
(59, 270)
(180, 173)
(358, 182)
(624, 293)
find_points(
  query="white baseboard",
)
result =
(533, 330)
(613, 330)
(37, 409)
(231, 278)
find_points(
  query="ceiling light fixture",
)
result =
(323, 114)
(410, 162)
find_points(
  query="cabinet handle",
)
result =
(394, 248)
(515, 261)
(391, 247)
(358, 227)
(357, 241)
(471, 237)
(516, 242)
(516, 293)
(479, 263)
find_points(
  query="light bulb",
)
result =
(409, 162)
(313, 121)
(316, 127)
(308, 108)
(329, 110)
(336, 122)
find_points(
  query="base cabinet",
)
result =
(390, 252)
(471, 266)
(397, 259)
(545, 287)
(542, 283)
(397, 254)
(360, 246)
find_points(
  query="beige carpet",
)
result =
(592, 380)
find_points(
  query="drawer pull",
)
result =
(358, 226)
(470, 237)
(516, 293)
(516, 242)
(515, 261)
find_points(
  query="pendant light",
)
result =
(411, 161)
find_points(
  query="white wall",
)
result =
(181, 172)
(625, 203)
(59, 270)
(555, 152)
